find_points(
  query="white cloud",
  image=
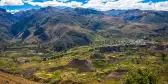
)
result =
(11, 2)
(126, 4)
(75, 4)
(56, 3)
(47, 3)
(160, 6)
(96, 4)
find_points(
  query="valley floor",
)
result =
(105, 64)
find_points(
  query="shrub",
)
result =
(99, 63)
(56, 75)
(141, 76)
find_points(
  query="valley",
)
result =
(86, 64)
(83, 46)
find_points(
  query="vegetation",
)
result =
(130, 65)
(141, 77)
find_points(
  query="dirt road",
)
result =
(11, 79)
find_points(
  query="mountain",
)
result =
(6, 20)
(57, 28)
(141, 16)
(61, 29)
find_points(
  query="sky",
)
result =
(102, 5)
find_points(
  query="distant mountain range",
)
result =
(60, 29)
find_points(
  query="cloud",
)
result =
(96, 4)
(56, 3)
(75, 4)
(47, 3)
(126, 4)
(11, 2)
(160, 6)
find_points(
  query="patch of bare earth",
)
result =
(6, 78)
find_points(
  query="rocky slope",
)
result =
(6, 20)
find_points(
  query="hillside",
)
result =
(66, 28)
(6, 20)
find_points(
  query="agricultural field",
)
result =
(112, 64)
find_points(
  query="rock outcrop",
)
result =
(97, 56)
(83, 65)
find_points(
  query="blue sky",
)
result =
(17, 5)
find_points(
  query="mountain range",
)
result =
(61, 29)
